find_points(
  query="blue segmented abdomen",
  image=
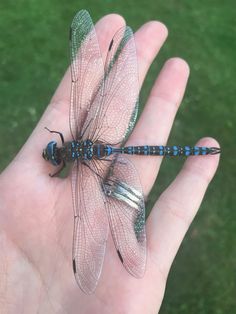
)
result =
(166, 150)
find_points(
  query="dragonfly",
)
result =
(106, 189)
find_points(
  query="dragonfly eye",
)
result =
(50, 153)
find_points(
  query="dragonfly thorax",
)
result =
(83, 150)
(80, 150)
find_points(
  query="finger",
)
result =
(105, 29)
(175, 209)
(156, 120)
(60, 103)
(148, 39)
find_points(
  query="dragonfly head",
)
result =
(50, 153)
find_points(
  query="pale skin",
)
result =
(36, 218)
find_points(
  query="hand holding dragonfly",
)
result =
(36, 220)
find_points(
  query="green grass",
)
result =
(34, 55)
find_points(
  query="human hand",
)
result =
(36, 211)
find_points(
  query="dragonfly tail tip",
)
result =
(215, 150)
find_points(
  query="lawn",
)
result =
(34, 56)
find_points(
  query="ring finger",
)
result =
(156, 120)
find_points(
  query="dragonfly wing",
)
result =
(126, 212)
(90, 227)
(111, 119)
(87, 70)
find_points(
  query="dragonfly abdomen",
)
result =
(166, 150)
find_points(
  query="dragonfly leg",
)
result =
(58, 171)
(104, 159)
(112, 161)
(84, 163)
(60, 134)
(118, 143)
(100, 178)
(81, 136)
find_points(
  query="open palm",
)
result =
(36, 219)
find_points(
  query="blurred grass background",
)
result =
(34, 56)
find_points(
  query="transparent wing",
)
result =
(126, 212)
(111, 119)
(87, 70)
(90, 226)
